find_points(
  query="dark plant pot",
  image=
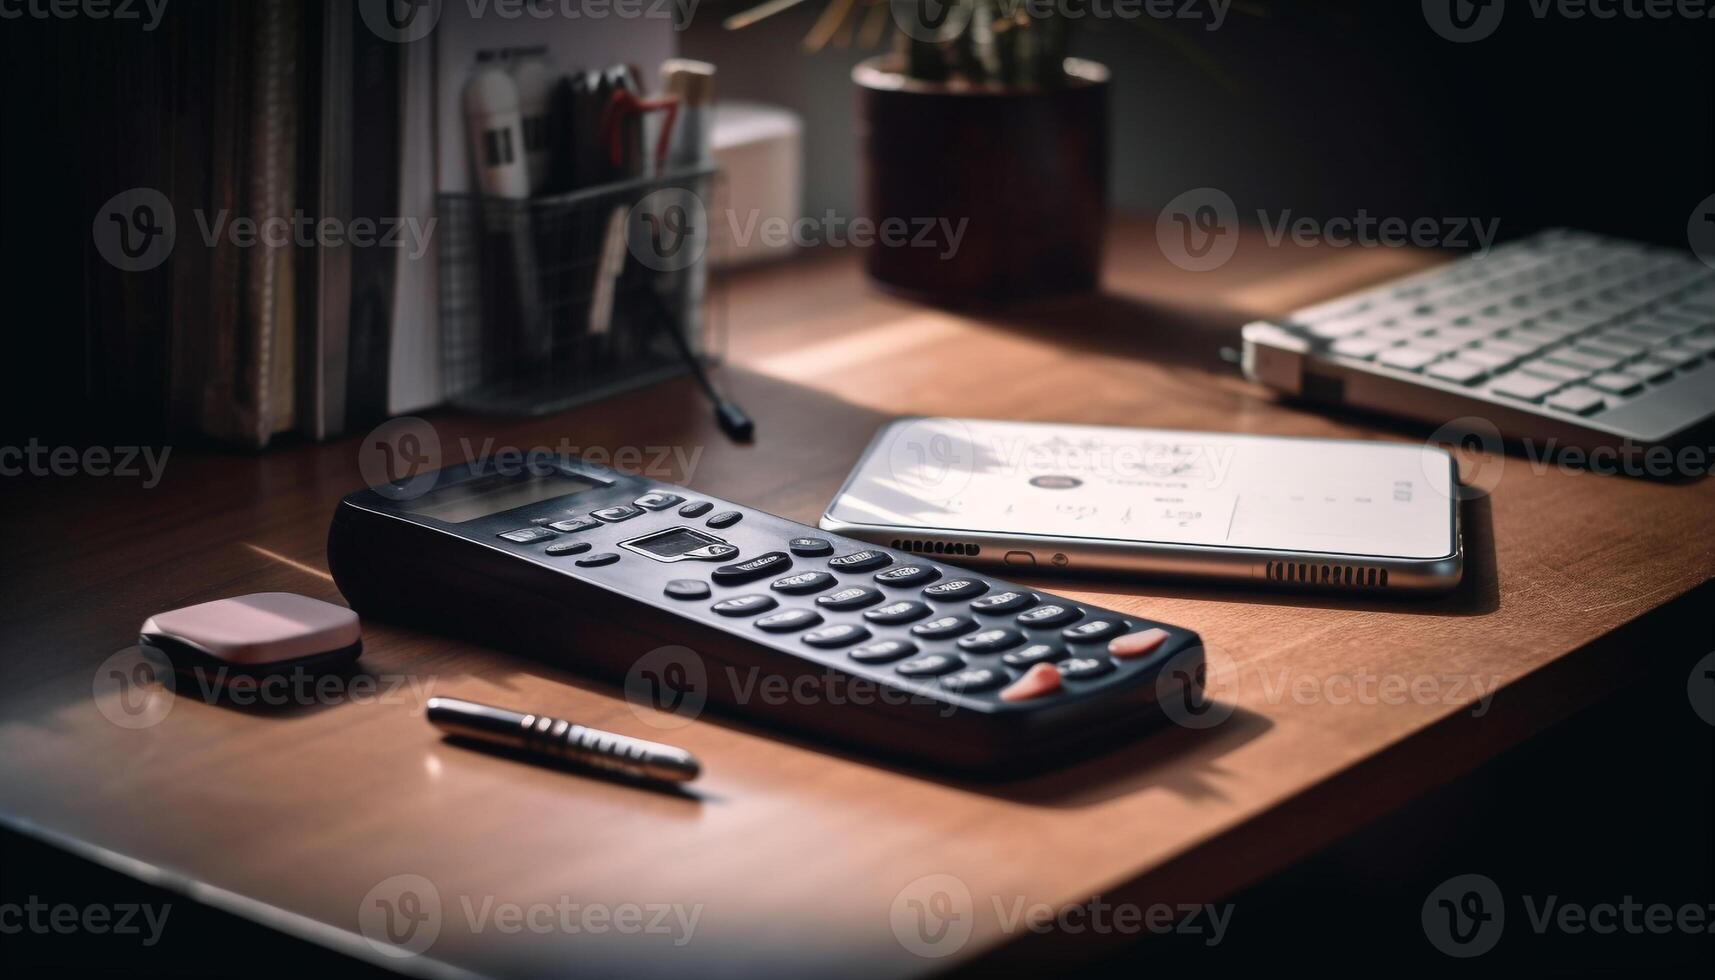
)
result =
(1025, 169)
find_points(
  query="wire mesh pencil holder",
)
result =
(554, 301)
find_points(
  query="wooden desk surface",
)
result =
(792, 857)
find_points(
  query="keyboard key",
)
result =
(860, 561)
(749, 571)
(895, 613)
(883, 651)
(1679, 357)
(1579, 357)
(837, 635)
(991, 641)
(696, 508)
(810, 547)
(1036, 653)
(1491, 358)
(1578, 401)
(1360, 347)
(1549, 369)
(1525, 387)
(1003, 602)
(803, 583)
(1407, 358)
(687, 588)
(1085, 668)
(1049, 616)
(856, 597)
(726, 518)
(944, 627)
(1615, 384)
(909, 574)
(744, 605)
(789, 620)
(930, 665)
(1650, 369)
(955, 589)
(974, 680)
(1459, 371)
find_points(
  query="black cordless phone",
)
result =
(868, 647)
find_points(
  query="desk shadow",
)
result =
(1114, 324)
(673, 791)
(1477, 594)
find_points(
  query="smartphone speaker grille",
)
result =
(1332, 576)
(937, 547)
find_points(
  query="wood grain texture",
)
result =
(792, 856)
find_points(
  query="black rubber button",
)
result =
(1084, 668)
(856, 597)
(597, 560)
(907, 575)
(895, 613)
(974, 680)
(930, 665)
(688, 588)
(749, 571)
(527, 535)
(804, 583)
(745, 605)
(954, 589)
(559, 548)
(615, 514)
(1030, 656)
(883, 651)
(575, 524)
(789, 620)
(1004, 602)
(991, 641)
(1049, 616)
(861, 561)
(726, 518)
(1094, 631)
(837, 635)
(657, 500)
(696, 508)
(944, 627)
(811, 547)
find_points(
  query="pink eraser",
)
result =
(256, 629)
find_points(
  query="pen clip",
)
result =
(624, 102)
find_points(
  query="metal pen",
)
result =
(556, 738)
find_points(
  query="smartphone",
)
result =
(1310, 513)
